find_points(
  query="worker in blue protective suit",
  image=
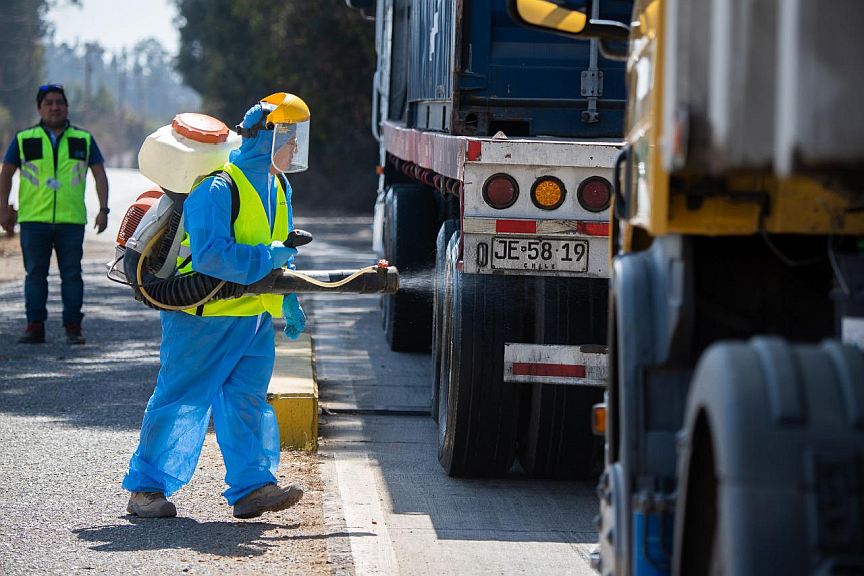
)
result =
(218, 358)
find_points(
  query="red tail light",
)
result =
(500, 191)
(594, 194)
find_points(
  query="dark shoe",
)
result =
(150, 505)
(268, 498)
(73, 334)
(33, 334)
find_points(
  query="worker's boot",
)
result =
(150, 505)
(33, 334)
(73, 334)
(268, 498)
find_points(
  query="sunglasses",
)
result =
(47, 87)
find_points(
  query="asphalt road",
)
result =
(403, 514)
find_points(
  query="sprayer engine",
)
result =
(149, 241)
(140, 210)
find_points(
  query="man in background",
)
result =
(53, 157)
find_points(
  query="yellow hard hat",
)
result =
(287, 108)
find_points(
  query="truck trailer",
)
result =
(497, 145)
(735, 389)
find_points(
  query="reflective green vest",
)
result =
(53, 179)
(251, 227)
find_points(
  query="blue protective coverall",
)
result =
(221, 364)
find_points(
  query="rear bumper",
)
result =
(584, 365)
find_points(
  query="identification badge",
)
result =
(53, 184)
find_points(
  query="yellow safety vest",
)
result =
(252, 228)
(53, 180)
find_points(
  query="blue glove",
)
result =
(282, 255)
(295, 318)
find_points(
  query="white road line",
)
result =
(371, 546)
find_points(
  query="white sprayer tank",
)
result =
(193, 145)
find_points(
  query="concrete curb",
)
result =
(293, 393)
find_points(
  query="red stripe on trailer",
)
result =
(535, 369)
(593, 228)
(474, 147)
(516, 226)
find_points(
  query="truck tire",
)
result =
(451, 287)
(770, 461)
(409, 244)
(556, 440)
(477, 434)
(444, 234)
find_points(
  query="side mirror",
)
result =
(571, 18)
(567, 16)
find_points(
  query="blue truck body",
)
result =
(466, 68)
(451, 75)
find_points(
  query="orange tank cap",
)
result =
(200, 127)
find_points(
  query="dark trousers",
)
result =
(38, 239)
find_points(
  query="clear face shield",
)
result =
(290, 152)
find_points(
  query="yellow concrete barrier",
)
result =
(294, 394)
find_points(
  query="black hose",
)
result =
(188, 289)
(184, 290)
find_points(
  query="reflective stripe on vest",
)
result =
(52, 183)
(252, 228)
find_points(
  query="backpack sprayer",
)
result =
(149, 242)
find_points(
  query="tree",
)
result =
(234, 52)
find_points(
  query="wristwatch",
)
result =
(105, 210)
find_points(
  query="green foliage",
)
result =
(234, 52)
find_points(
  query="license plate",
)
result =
(540, 254)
